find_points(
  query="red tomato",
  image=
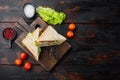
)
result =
(72, 27)
(70, 34)
(23, 56)
(18, 62)
(27, 66)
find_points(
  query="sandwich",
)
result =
(29, 43)
(37, 39)
(50, 37)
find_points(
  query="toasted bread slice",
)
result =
(50, 37)
(29, 43)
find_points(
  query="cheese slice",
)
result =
(50, 37)
(29, 43)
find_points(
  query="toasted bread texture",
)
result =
(29, 43)
(50, 37)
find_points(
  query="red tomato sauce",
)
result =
(8, 33)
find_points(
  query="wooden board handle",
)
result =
(22, 25)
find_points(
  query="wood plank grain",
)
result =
(95, 53)
(62, 72)
(49, 56)
(79, 11)
(89, 42)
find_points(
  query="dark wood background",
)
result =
(95, 52)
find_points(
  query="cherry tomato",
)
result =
(23, 56)
(70, 34)
(72, 27)
(27, 66)
(18, 62)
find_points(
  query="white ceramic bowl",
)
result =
(29, 10)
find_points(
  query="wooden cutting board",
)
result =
(49, 56)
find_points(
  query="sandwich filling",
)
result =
(29, 43)
(37, 39)
(50, 37)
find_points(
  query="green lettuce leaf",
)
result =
(50, 16)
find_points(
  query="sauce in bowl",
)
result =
(29, 10)
(9, 34)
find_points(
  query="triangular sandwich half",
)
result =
(50, 37)
(29, 43)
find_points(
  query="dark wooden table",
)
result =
(95, 52)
